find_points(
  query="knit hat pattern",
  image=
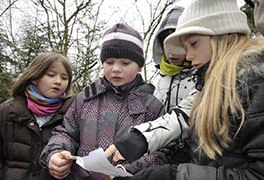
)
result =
(208, 17)
(122, 41)
(169, 22)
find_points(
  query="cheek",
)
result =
(43, 82)
(66, 83)
(166, 54)
(106, 69)
(205, 53)
(42, 88)
(131, 73)
(206, 57)
(208, 54)
(182, 56)
(106, 73)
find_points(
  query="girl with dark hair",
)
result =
(40, 98)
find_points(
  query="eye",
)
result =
(109, 62)
(193, 43)
(50, 74)
(125, 62)
(65, 78)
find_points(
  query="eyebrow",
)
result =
(51, 70)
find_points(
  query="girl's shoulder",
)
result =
(6, 104)
(14, 107)
(11, 101)
(253, 56)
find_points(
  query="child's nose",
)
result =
(116, 68)
(58, 80)
(189, 56)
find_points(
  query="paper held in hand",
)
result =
(97, 162)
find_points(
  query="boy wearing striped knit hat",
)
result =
(106, 108)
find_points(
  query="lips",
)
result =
(174, 59)
(196, 66)
(56, 89)
(116, 78)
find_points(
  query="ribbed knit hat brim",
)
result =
(207, 17)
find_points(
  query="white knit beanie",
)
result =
(207, 17)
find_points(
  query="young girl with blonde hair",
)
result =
(227, 122)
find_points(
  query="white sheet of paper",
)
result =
(97, 162)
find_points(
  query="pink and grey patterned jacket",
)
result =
(99, 114)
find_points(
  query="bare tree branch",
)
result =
(8, 7)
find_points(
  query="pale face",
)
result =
(198, 49)
(120, 71)
(175, 59)
(54, 82)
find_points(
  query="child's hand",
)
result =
(113, 150)
(60, 165)
(108, 177)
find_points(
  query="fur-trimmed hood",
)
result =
(252, 60)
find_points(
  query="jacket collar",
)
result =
(101, 85)
(199, 76)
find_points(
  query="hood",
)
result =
(169, 22)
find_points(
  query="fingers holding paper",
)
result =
(60, 164)
(113, 150)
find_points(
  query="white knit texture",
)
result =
(208, 17)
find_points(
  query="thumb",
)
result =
(65, 154)
(110, 150)
(118, 156)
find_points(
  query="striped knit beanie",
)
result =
(122, 41)
(207, 17)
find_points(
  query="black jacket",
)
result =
(21, 140)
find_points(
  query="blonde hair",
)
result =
(219, 98)
(38, 68)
